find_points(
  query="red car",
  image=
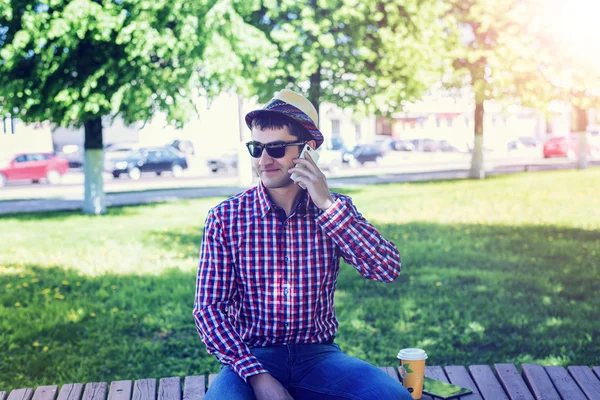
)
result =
(34, 167)
(568, 146)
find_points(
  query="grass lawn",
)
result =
(501, 270)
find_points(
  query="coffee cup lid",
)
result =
(412, 354)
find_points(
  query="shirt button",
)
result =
(286, 259)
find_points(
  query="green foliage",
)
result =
(69, 62)
(367, 55)
(499, 52)
(237, 54)
(569, 60)
(502, 270)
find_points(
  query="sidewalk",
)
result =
(165, 195)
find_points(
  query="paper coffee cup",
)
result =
(412, 370)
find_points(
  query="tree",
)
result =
(570, 68)
(73, 62)
(498, 57)
(370, 55)
(579, 86)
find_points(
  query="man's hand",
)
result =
(268, 388)
(315, 181)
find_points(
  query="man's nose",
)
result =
(265, 158)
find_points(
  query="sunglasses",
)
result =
(274, 149)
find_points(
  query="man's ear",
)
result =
(312, 143)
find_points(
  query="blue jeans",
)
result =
(312, 372)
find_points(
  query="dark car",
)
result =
(33, 167)
(184, 146)
(445, 146)
(523, 143)
(426, 145)
(223, 162)
(367, 153)
(402, 145)
(157, 160)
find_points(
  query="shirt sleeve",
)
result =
(361, 245)
(215, 289)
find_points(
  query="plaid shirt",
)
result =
(267, 279)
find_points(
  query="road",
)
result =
(200, 182)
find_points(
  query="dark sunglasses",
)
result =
(274, 149)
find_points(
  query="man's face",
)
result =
(273, 171)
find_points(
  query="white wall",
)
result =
(25, 138)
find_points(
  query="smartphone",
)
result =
(312, 152)
(443, 390)
(314, 155)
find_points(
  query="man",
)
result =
(268, 267)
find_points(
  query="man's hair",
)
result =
(275, 120)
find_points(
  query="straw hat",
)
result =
(295, 106)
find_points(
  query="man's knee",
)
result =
(228, 385)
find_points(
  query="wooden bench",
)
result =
(503, 382)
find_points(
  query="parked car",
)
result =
(34, 167)
(223, 162)
(363, 153)
(524, 142)
(426, 145)
(568, 146)
(118, 151)
(384, 142)
(184, 146)
(332, 160)
(154, 159)
(74, 153)
(445, 146)
(402, 145)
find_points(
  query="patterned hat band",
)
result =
(297, 108)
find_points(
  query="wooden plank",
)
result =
(2, 395)
(489, 387)
(120, 390)
(435, 373)
(71, 391)
(564, 384)
(95, 391)
(459, 375)
(45, 393)
(194, 387)
(595, 369)
(514, 385)
(144, 389)
(587, 381)
(169, 388)
(211, 379)
(21, 394)
(539, 382)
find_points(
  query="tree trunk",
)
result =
(314, 92)
(94, 202)
(477, 168)
(244, 163)
(581, 122)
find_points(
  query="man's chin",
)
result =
(277, 183)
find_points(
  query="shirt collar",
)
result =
(264, 203)
(305, 206)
